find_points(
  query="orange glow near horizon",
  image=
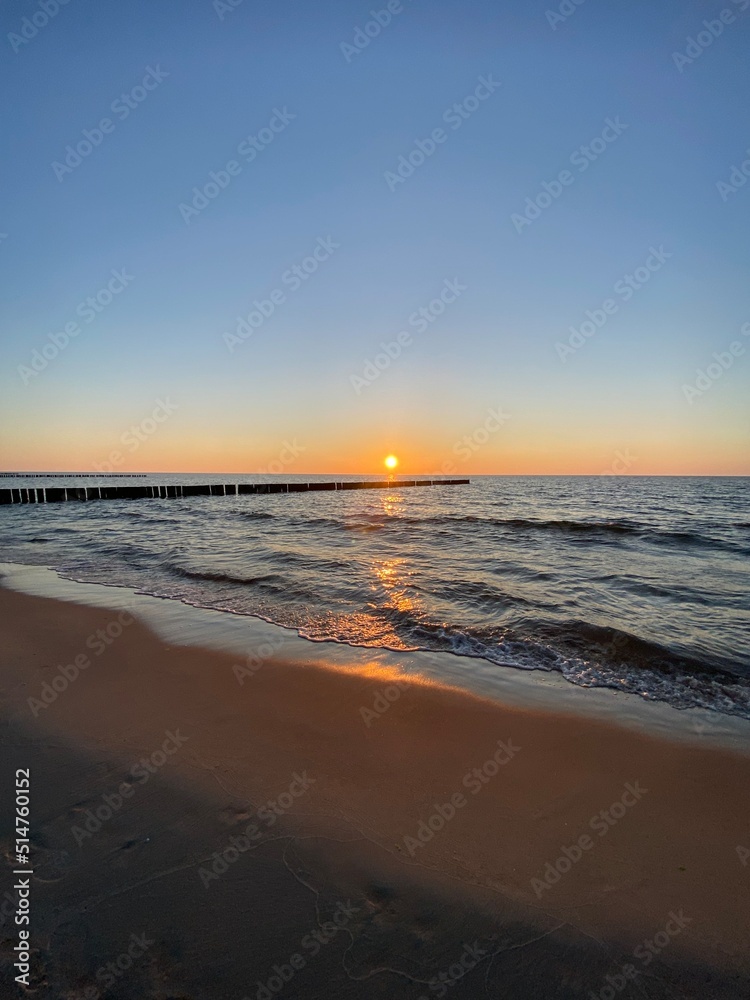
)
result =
(79, 446)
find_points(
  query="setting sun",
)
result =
(391, 462)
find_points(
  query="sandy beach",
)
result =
(230, 829)
(375, 501)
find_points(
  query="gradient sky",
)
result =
(324, 176)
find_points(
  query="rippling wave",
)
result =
(635, 584)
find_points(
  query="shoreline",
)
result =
(178, 622)
(392, 822)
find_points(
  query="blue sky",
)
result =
(221, 75)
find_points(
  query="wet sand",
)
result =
(207, 827)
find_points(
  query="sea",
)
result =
(640, 584)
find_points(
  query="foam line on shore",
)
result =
(255, 639)
(448, 819)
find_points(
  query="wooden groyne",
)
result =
(60, 494)
(73, 475)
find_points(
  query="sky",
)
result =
(283, 237)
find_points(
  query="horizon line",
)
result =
(427, 475)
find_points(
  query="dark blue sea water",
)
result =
(639, 584)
